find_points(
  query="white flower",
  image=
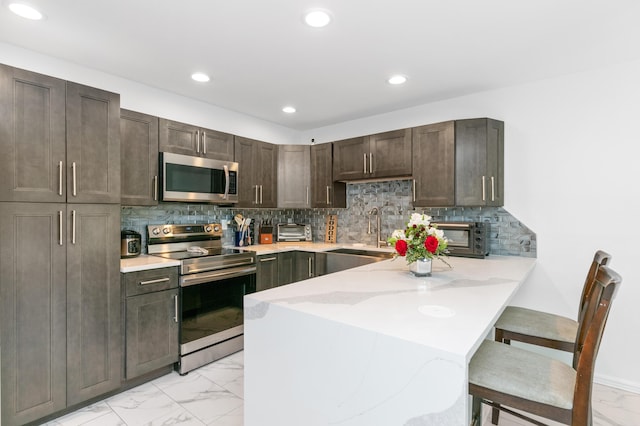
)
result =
(419, 219)
(438, 233)
(398, 234)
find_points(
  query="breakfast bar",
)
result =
(373, 345)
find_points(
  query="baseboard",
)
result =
(617, 383)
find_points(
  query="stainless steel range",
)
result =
(213, 282)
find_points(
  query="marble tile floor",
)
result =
(212, 395)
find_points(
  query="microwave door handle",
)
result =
(226, 179)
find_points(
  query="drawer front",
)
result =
(151, 280)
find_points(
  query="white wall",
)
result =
(572, 175)
(139, 97)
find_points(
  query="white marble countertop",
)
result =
(448, 310)
(373, 345)
(144, 262)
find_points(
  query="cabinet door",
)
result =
(216, 145)
(479, 162)
(267, 273)
(179, 138)
(266, 155)
(286, 267)
(93, 145)
(32, 136)
(351, 159)
(247, 185)
(151, 332)
(139, 158)
(304, 264)
(94, 342)
(434, 165)
(390, 154)
(294, 176)
(324, 191)
(32, 311)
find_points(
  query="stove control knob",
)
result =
(207, 228)
(155, 231)
(216, 228)
(166, 231)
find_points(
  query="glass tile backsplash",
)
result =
(507, 235)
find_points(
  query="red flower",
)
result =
(431, 244)
(401, 247)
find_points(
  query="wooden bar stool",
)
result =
(543, 328)
(502, 375)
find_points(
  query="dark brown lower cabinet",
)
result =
(151, 320)
(60, 300)
(286, 267)
(305, 265)
(267, 272)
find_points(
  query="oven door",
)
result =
(212, 306)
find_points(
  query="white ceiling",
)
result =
(261, 56)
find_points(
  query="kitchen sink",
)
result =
(347, 258)
(361, 252)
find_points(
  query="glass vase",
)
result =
(421, 267)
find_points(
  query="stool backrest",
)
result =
(601, 258)
(596, 311)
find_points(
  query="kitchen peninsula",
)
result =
(373, 345)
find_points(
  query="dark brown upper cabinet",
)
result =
(325, 192)
(294, 176)
(376, 156)
(186, 139)
(434, 165)
(60, 140)
(257, 169)
(479, 162)
(139, 158)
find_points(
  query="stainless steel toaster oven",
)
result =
(293, 232)
(466, 239)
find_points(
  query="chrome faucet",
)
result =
(376, 211)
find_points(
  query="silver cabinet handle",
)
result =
(73, 226)
(310, 267)
(365, 162)
(268, 259)
(60, 178)
(307, 195)
(328, 202)
(370, 163)
(493, 189)
(175, 308)
(255, 200)
(155, 188)
(204, 142)
(73, 168)
(414, 190)
(198, 141)
(60, 226)
(260, 194)
(156, 281)
(484, 198)
(226, 180)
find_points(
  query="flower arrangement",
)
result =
(420, 239)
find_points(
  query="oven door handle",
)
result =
(194, 279)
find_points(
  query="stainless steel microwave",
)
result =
(196, 179)
(466, 239)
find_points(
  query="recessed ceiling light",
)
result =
(25, 11)
(201, 77)
(397, 79)
(289, 109)
(317, 18)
